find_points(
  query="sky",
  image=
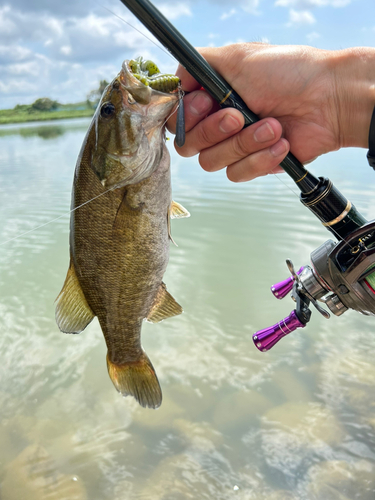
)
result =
(62, 49)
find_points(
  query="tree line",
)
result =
(46, 104)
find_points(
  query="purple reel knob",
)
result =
(280, 290)
(267, 338)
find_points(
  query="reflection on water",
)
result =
(295, 423)
(45, 130)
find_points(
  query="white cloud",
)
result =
(24, 69)
(250, 6)
(6, 25)
(300, 17)
(313, 36)
(226, 15)
(306, 4)
(66, 50)
(55, 25)
(13, 53)
(95, 26)
(62, 58)
(173, 11)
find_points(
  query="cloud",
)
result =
(313, 36)
(175, 10)
(53, 7)
(250, 6)
(226, 15)
(13, 53)
(42, 55)
(300, 17)
(7, 27)
(307, 4)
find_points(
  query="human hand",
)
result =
(302, 88)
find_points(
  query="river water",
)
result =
(297, 422)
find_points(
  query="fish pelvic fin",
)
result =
(175, 211)
(137, 379)
(72, 311)
(164, 306)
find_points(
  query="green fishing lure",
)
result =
(149, 74)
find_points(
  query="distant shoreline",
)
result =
(8, 116)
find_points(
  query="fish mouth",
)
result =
(145, 87)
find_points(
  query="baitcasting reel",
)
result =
(342, 276)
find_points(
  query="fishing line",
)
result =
(101, 194)
(161, 48)
(181, 95)
(172, 113)
(57, 218)
(139, 31)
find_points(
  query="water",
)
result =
(295, 423)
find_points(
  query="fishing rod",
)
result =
(342, 274)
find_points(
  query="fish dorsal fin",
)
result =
(72, 312)
(177, 211)
(164, 306)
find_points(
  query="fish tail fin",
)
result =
(138, 379)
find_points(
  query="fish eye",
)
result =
(107, 110)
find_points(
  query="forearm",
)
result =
(354, 71)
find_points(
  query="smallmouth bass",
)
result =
(119, 241)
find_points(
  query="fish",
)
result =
(120, 227)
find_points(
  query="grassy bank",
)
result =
(22, 114)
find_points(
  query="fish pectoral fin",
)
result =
(164, 306)
(177, 211)
(72, 312)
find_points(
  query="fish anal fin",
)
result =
(72, 312)
(177, 211)
(137, 379)
(164, 306)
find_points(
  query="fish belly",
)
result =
(121, 251)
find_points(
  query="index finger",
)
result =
(188, 83)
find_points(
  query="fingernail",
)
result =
(264, 133)
(201, 103)
(228, 124)
(279, 148)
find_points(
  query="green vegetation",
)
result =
(45, 109)
(22, 113)
(94, 96)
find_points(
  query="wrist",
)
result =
(354, 81)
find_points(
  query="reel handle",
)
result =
(265, 339)
(281, 289)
